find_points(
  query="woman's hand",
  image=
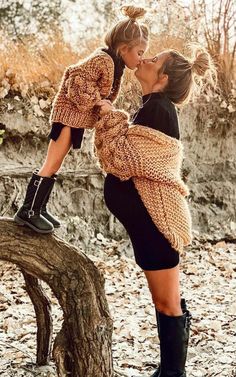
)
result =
(105, 106)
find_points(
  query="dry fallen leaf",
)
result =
(207, 282)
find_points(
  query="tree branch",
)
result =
(42, 309)
(79, 288)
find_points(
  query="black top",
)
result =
(158, 112)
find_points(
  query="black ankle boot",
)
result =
(188, 315)
(30, 212)
(44, 210)
(174, 337)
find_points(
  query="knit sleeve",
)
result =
(117, 153)
(87, 82)
(132, 151)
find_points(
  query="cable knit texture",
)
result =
(153, 160)
(82, 86)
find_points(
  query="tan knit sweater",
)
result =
(153, 160)
(82, 86)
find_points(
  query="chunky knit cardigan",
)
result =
(82, 86)
(153, 160)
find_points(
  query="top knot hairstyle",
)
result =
(188, 76)
(201, 61)
(133, 12)
(129, 30)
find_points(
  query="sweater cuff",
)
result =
(113, 117)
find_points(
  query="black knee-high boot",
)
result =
(181, 354)
(44, 210)
(30, 212)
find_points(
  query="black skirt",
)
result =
(76, 134)
(152, 250)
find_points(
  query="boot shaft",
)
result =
(44, 206)
(36, 193)
(52, 219)
(30, 212)
(184, 310)
(174, 337)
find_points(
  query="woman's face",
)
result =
(148, 69)
(132, 56)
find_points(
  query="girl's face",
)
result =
(148, 69)
(132, 56)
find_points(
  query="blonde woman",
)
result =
(144, 189)
(83, 84)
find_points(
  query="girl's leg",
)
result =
(57, 150)
(33, 212)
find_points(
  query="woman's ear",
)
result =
(163, 79)
(161, 83)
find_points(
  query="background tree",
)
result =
(21, 18)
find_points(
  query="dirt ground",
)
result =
(208, 272)
(208, 268)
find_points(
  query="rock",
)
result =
(34, 100)
(38, 111)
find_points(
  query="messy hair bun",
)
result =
(201, 61)
(188, 76)
(133, 12)
(128, 30)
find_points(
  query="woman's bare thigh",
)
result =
(165, 290)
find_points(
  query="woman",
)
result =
(144, 190)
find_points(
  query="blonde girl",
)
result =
(82, 86)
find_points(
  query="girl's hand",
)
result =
(105, 106)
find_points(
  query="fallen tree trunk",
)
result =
(83, 346)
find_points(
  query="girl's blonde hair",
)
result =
(129, 30)
(186, 76)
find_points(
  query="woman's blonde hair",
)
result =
(187, 76)
(129, 30)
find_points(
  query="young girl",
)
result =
(144, 189)
(82, 86)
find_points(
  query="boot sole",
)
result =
(21, 222)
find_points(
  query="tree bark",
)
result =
(83, 346)
(42, 309)
(26, 171)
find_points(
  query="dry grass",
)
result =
(164, 41)
(219, 35)
(30, 67)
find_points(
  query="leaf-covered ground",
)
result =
(208, 283)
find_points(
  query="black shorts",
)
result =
(76, 134)
(152, 251)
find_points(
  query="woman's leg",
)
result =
(57, 150)
(165, 291)
(173, 324)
